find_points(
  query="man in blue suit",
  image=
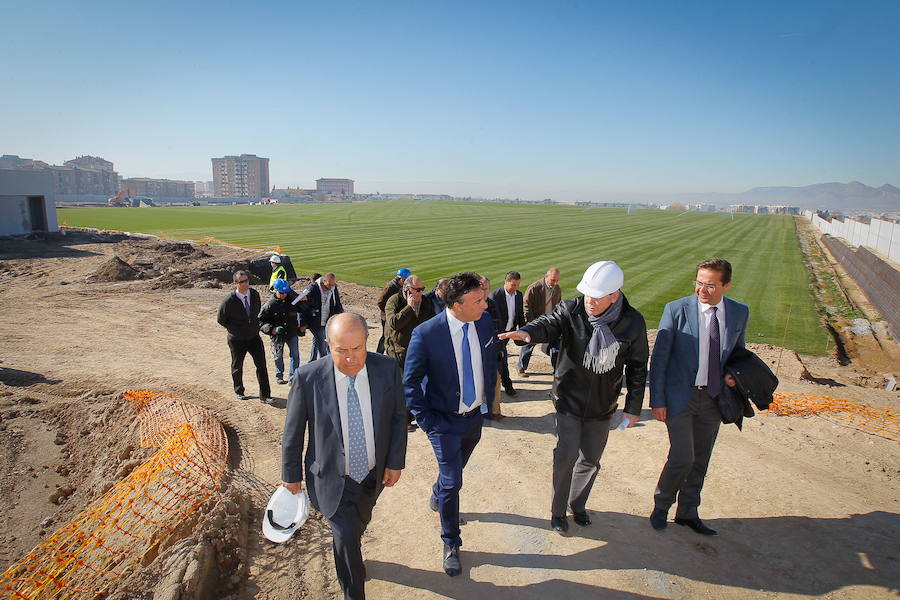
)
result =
(696, 336)
(455, 355)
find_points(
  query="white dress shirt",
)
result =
(326, 303)
(511, 310)
(705, 315)
(456, 334)
(341, 384)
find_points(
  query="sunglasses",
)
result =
(416, 289)
(242, 281)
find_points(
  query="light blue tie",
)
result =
(359, 456)
(468, 374)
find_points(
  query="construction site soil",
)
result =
(805, 506)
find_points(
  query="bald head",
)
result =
(346, 322)
(346, 335)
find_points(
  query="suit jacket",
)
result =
(536, 299)
(313, 406)
(499, 297)
(311, 310)
(233, 317)
(676, 354)
(430, 355)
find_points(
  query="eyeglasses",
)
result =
(709, 287)
(242, 281)
(417, 289)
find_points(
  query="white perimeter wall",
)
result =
(881, 236)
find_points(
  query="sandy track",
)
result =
(805, 508)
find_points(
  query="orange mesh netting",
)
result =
(125, 525)
(880, 420)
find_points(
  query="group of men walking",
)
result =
(348, 413)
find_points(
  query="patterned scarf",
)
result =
(603, 348)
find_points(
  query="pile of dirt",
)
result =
(115, 269)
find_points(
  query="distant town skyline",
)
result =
(528, 100)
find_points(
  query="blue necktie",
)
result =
(359, 456)
(714, 373)
(468, 374)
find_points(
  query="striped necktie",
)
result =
(714, 373)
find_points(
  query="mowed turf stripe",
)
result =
(658, 250)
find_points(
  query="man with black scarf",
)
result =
(603, 344)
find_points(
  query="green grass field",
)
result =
(366, 242)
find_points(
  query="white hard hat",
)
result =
(275, 259)
(285, 513)
(601, 279)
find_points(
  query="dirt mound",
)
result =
(115, 269)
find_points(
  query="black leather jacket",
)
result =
(578, 391)
(277, 312)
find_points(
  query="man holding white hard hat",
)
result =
(601, 337)
(352, 403)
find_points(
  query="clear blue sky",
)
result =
(570, 100)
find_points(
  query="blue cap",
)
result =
(281, 286)
(404, 273)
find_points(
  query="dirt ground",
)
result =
(805, 507)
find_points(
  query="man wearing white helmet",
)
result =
(601, 338)
(278, 271)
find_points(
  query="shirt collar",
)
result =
(338, 376)
(705, 307)
(454, 323)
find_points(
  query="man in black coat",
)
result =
(603, 344)
(322, 302)
(510, 316)
(238, 313)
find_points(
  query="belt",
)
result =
(471, 413)
(699, 387)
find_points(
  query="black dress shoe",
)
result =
(581, 518)
(658, 519)
(452, 566)
(433, 503)
(511, 392)
(697, 525)
(559, 524)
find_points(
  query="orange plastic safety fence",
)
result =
(125, 525)
(212, 240)
(879, 420)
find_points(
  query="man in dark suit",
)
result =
(456, 352)
(511, 315)
(239, 314)
(351, 402)
(696, 336)
(322, 302)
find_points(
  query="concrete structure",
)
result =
(90, 162)
(244, 176)
(159, 188)
(26, 201)
(334, 187)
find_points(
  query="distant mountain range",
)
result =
(853, 197)
(832, 196)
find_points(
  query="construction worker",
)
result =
(278, 271)
(278, 319)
